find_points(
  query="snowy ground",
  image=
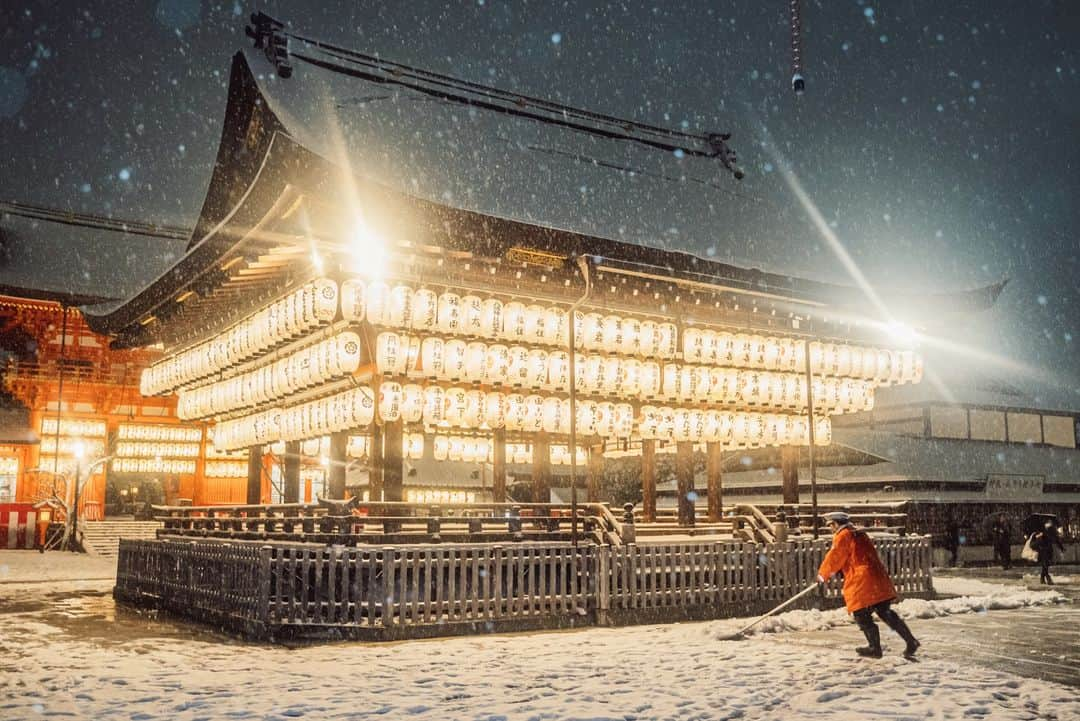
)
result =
(67, 652)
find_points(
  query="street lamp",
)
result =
(79, 451)
(583, 264)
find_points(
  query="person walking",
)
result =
(867, 586)
(1043, 543)
(1001, 536)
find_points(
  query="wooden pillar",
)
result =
(335, 474)
(713, 477)
(648, 480)
(254, 479)
(498, 466)
(684, 479)
(392, 462)
(375, 465)
(541, 469)
(789, 471)
(291, 473)
(595, 473)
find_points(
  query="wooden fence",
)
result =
(279, 591)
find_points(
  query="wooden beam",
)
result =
(498, 480)
(541, 469)
(789, 471)
(393, 463)
(335, 475)
(715, 493)
(595, 475)
(375, 465)
(684, 479)
(648, 480)
(291, 472)
(254, 479)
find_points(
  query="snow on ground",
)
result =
(77, 657)
(33, 567)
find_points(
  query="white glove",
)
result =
(820, 578)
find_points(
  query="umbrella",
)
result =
(1036, 522)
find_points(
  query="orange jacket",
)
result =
(866, 582)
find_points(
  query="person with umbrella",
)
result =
(867, 586)
(1001, 534)
(1043, 542)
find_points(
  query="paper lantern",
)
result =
(495, 410)
(450, 313)
(400, 309)
(700, 383)
(605, 419)
(592, 331)
(740, 429)
(412, 403)
(672, 388)
(324, 300)
(667, 340)
(517, 371)
(623, 420)
(649, 380)
(758, 349)
(611, 334)
(533, 415)
(454, 360)
(434, 405)
(556, 322)
(513, 316)
(454, 406)
(535, 324)
(822, 432)
(473, 416)
(564, 416)
(413, 446)
(551, 415)
(423, 310)
(468, 450)
(647, 339)
(611, 380)
(681, 430)
(390, 401)
(352, 300)
(559, 455)
(629, 378)
(413, 368)
(692, 345)
(536, 368)
(432, 356)
(586, 418)
(558, 371)
(742, 350)
(665, 430)
(579, 329)
(687, 378)
(515, 411)
(830, 359)
(630, 341)
(391, 353)
(377, 302)
(346, 353)
(475, 360)
(457, 447)
(472, 313)
(440, 448)
(774, 354)
(649, 422)
(593, 377)
(497, 364)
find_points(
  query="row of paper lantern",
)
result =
(320, 363)
(226, 469)
(618, 450)
(559, 455)
(310, 306)
(436, 495)
(142, 449)
(152, 465)
(71, 446)
(173, 434)
(731, 429)
(516, 366)
(75, 427)
(452, 314)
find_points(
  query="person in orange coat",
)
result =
(867, 587)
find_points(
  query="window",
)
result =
(1024, 428)
(1059, 431)
(987, 425)
(947, 422)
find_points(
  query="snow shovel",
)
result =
(742, 631)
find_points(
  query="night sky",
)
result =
(940, 141)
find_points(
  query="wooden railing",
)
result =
(403, 591)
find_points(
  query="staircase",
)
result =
(102, 538)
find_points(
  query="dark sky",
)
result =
(940, 141)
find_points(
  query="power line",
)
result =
(270, 35)
(94, 222)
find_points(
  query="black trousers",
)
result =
(1044, 576)
(864, 617)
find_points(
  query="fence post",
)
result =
(263, 608)
(603, 584)
(388, 559)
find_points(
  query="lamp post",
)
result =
(810, 418)
(583, 265)
(80, 450)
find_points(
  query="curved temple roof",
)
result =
(262, 171)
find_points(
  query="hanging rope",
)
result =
(798, 83)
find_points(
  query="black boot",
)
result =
(897, 624)
(873, 640)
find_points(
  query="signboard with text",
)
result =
(1014, 486)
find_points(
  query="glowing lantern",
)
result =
(681, 430)
(687, 378)
(710, 426)
(441, 448)
(514, 322)
(515, 411)
(377, 300)
(592, 331)
(535, 324)
(725, 348)
(423, 311)
(593, 379)
(740, 429)
(453, 360)
(412, 446)
(450, 312)
(495, 410)
(693, 345)
(475, 360)
(556, 326)
(758, 349)
(390, 401)
(347, 353)
(830, 359)
(822, 432)
(472, 313)
(533, 415)
(700, 383)
(612, 333)
(400, 310)
(457, 448)
(629, 377)
(630, 343)
(491, 318)
(468, 451)
(352, 300)
(432, 357)
(536, 368)
(667, 340)
(649, 379)
(454, 402)
(473, 416)
(605, 419)
(558, 371)
(647, 338)
(434, 405)
(666, 429)
(623, 420)
(551, 415)
(612, 376)
(517, 371)
(497, 364)
(324, 300)
(586, 418)
(774, 352)
(672, 382)
(390, 354)
(650, 422)
(742, 350)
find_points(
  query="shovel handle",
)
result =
(781, 607)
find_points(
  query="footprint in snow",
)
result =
(831, 696)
